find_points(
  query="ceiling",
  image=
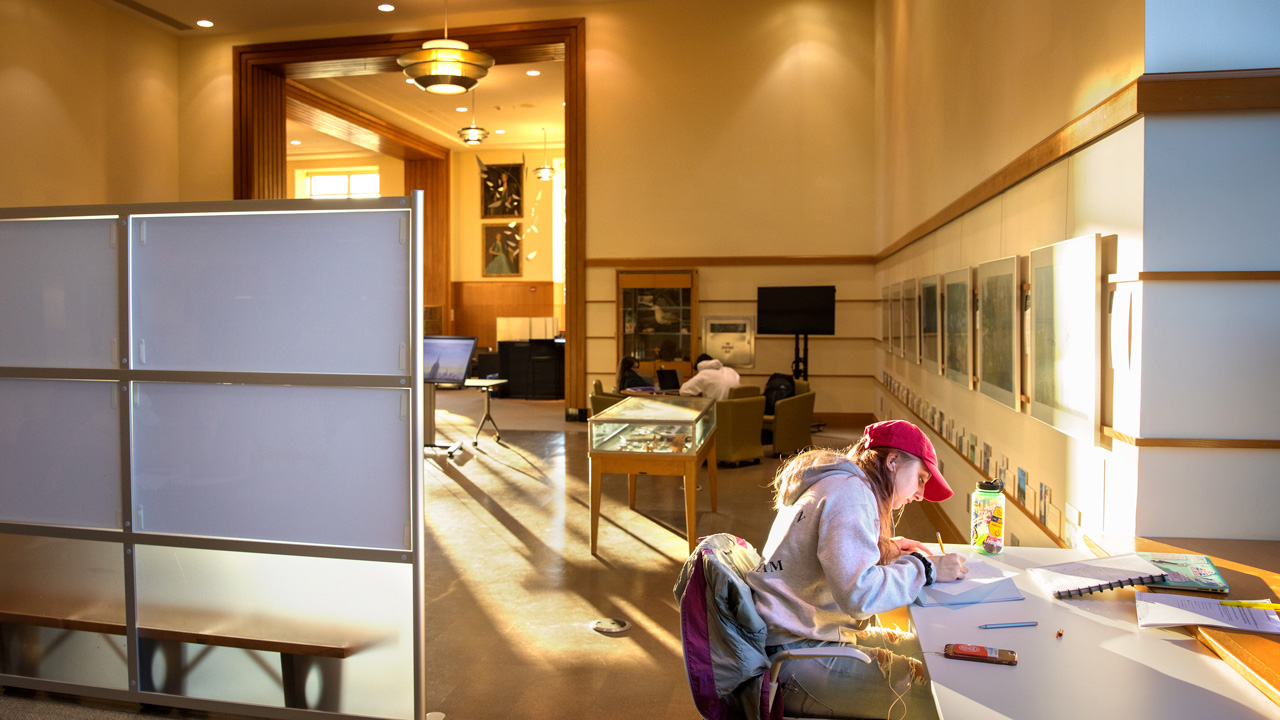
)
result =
(507, 99)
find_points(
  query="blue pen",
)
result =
(1007, 625)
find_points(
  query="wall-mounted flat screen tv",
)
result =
(446, 358)
(806, 310)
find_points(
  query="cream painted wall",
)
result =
(964, 86)
(666, 131)
(90, 109)
(731, 291)
(1078, 195)
(467, 226)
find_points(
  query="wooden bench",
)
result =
(302, 646)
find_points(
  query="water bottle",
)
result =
(987, 530)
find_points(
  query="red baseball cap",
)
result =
(902, 435)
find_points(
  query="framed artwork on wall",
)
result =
(1066, 326)
(957, 293)
(895, 318)
(501, 191)
(910, 322)
(501, 250)
(931, 323)
(998, 331)
(886, 316)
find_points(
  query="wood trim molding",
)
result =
(337, 119)
(258, 113)
(1220, 91)
(844, 419)
(1200, 443)
(814, 338)
(744, 261)
(1198, 276)
(1103, 119)
(751, 300)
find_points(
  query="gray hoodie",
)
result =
(819, 578)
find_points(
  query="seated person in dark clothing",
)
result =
(628, 377)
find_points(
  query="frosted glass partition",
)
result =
(58, 293)
(60, 450)
(211, 455)
(362, 608)
(300, 464)
(79, 580)
(299, 293)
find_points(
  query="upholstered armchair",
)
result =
(791, 423)
(601, 399)
(738, 423)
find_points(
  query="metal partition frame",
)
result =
(129, 372)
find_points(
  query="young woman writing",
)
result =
(831, 563)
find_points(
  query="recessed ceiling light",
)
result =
(386, 7)
(205, 23)
(533, 73)
(461, 109)
(295, 142)
(500, 132)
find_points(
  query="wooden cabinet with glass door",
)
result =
(657, 314)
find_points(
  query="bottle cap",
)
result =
(991, 485)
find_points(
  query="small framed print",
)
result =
(501, 191)
(501, 251)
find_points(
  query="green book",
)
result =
(1187, 572)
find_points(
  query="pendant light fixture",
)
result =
(445, 67)
(471, 134)
(545, 172)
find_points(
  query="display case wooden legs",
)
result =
(632, 465)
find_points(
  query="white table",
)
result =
(1102, 666)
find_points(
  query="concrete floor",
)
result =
(513, 587)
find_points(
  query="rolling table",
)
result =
(486, 387)
(1103, 665)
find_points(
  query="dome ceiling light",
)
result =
(545, 172)
(445, 67)
(471, 134)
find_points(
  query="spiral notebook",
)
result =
(1073, 579)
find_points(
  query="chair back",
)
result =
(738, 425)
(722, 634)
(743, 391)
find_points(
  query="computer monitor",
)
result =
(446, 358)
(668, 379)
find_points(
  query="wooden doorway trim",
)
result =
(258, 114)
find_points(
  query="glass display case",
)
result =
(659, 424)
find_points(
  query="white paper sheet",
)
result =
(1169, 610)
(980, 573)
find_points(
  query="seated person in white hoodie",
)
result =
(713, 379)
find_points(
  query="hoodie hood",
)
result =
(814, 474)
(711, 364)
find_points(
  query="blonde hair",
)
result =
(871, 461)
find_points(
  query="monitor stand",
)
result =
(800, 366)
(429, 424)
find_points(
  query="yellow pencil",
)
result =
(940, 546)
(1263, 605)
